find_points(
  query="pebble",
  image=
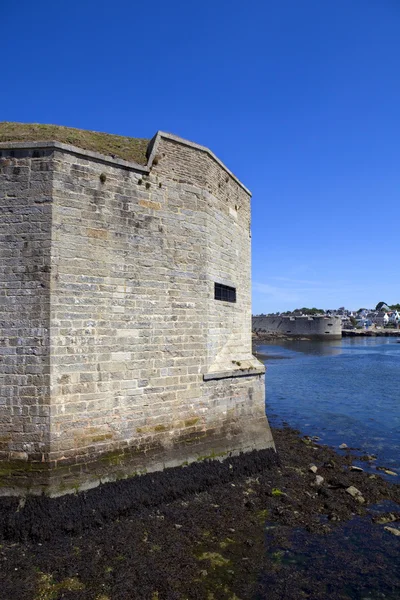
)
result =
(343, 446)
(313, 469)
(319, 480)
(333, 517)
(354, 468)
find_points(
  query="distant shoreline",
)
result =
(371, 333)
(263, 337)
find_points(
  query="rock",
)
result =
(353, 491)
(313, 469)
(354, 468)
(319, 480)
(385, 519)
(177, 526)
(387, 471)
(392, 530)
(343, 446)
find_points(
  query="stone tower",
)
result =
(125, 314)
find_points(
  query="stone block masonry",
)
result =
(116, 358)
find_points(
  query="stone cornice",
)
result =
(118, 162)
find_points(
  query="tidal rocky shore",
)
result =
(303, 523)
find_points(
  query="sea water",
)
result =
(345, 391)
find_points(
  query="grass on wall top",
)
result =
(131, 149)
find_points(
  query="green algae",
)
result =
(262, 515)
(226, 542)
(215, 559)
(48, 589)
(211, 456)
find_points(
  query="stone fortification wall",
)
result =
(310, 327)
(26, 182)
(141, 367)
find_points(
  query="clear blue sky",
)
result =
(300, 99)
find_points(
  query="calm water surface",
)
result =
(342, 391)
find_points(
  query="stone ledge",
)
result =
(118, 162)
(235, 373)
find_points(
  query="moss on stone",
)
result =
(158, 428)
(102, 438)
(191, 422)
(113, 458)
(127, 148)
(18, 469)
(212, 456)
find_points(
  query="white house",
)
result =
(394, 317)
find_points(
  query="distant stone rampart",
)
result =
(313, 327)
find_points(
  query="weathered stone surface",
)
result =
(116, 358)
